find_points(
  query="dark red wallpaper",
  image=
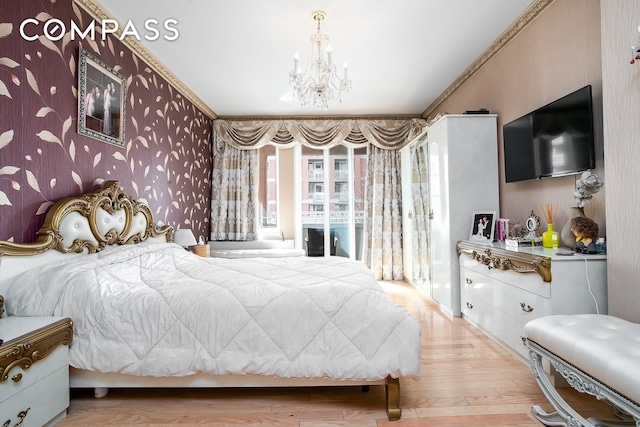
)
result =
(166, 158)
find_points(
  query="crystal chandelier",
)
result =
(319, 83)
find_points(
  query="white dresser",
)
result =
(34, 370)
(503, 288)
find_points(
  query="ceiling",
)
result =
(236, 55)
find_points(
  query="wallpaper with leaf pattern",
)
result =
(166, 159)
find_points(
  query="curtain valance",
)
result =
(318, 133)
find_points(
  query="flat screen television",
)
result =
(554, 140)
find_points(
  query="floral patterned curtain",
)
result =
(233, 192)
(420, 229)
(382, 234)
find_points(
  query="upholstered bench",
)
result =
(597, 354)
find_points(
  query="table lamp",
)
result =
(184, 237)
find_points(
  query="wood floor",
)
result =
(467, 380)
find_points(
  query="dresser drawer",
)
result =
(515, 302)
(20, 379)
(529, 281)
(499, 326)
(42, 401)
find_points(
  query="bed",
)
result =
(147, 313)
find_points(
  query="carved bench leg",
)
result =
(564, 415)
(392, 391)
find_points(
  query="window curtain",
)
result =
(233, 192)
(382, 235)
(420, 228)
(388, 133)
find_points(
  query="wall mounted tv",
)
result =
(554, 140)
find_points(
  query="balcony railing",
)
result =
(335, 217)
(342, 196)
(316, 175)
(341, 175)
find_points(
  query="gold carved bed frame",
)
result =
(108, 216)
(112, 218)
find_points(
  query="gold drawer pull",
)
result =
(16, 378)
(528, 308)
(524, 340)
(21, 415)
(469, 305)
(469, 281)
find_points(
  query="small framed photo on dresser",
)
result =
(482, 226)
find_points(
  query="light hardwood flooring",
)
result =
(467, 380)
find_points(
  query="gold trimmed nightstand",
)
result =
(34, 370)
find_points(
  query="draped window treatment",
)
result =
(234, 193)
(318, 133)
(420, 195)
(382, 234)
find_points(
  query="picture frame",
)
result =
(101, 100)
(483, 225)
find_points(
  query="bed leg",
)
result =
(392, 391)
(99, 392)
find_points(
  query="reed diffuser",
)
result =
(550, 238)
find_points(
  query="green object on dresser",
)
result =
(550, 238)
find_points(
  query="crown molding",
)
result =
(97, 11)
(509, 34)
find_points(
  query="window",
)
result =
(331, 224)
(341, 172)
(316, 170)
(268, 187)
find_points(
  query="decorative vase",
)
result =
(566, 235)
(550, 238)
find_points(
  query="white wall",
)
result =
(557, 53)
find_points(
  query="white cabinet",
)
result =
(462, 153)
(503, 288)
(34, 370)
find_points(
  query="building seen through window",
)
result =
(333, 183)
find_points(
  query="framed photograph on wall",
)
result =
(483, 226)
(101, 100)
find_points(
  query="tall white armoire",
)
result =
(462, 163)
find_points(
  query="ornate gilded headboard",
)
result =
(91, 222)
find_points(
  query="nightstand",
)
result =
(202, 250)
(34, 370)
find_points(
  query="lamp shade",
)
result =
(184, 237)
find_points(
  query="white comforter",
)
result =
(159, 310)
